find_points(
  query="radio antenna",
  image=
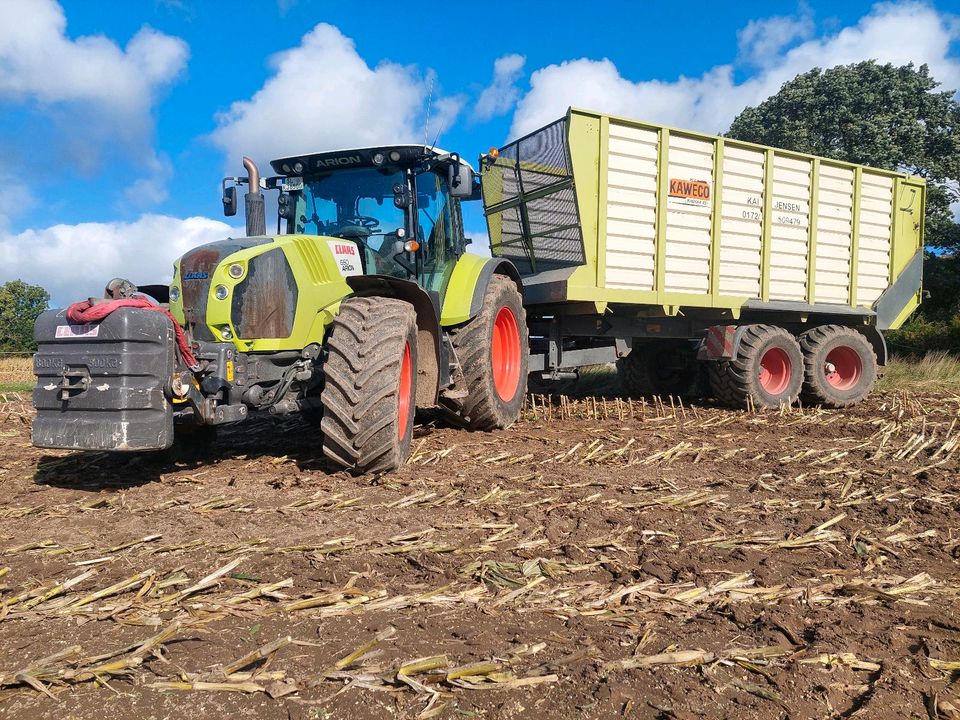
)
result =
(437, 137)
(426, 118)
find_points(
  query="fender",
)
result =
(468, 285)
(721, 342)
(427, 307)
(876, 339)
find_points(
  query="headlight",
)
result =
(235, 271)
(226, 334)
(174, 294)
(221, 292)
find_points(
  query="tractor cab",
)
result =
(400, 206)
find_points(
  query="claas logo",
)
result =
(344, 249)
(692, 189)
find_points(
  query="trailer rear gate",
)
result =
(601, 209)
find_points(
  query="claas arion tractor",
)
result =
(362, 308)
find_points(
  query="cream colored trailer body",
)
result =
(612, 211)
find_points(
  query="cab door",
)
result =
(439, 231)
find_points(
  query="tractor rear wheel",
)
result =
(494, 354)
(370, 389)
(767, 372)
(840, 366)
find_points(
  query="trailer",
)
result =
(680, 255)
(695, 262)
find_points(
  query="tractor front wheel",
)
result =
(370, 390)
(494, 355)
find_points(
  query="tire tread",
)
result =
(364, 352)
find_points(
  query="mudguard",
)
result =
(430, 364)
(468, 285)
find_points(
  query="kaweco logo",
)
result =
(343, 160)
(196, 275)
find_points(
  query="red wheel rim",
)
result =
(775, 370)
(843, 367)
(505, 354)
(406, 383)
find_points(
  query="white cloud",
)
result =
(153, 189)
(38, 62)
(75, 261)
(762, 40)
(323, 96)
(498, 97)
(92, 96)
(896, 33)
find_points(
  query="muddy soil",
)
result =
(598, 559)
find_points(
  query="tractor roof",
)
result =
(356, 157)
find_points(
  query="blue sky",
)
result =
(118, 120)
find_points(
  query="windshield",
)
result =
(351, 203)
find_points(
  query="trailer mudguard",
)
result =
(468, 284)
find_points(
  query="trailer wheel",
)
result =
(767, 372)
(370, 385)
(493, 351)
(666, 367)
(840, 366)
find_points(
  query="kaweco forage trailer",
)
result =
(634, 239)
(612, 239)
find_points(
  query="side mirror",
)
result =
(477, 193)
(230, 201)
(460, 180)
(401, 196)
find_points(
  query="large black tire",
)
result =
(665, 367)
(767, 372)
(840, 366)
(370, 390)
(496, 381)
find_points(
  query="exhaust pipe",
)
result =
(256, 213)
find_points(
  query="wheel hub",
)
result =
(776, 370)
(505, 354)
(406, 383)
(842, 367)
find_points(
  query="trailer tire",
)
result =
(840, 366)
(493, 350)
(667, 367)
(767, 371)
(370, 389)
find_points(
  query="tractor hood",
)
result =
(255, 291)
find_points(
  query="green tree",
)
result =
(880, 115)
(20, 304)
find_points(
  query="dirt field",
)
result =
(599, 559)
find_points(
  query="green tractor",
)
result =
(362, 308)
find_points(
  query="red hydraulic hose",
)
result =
(87, 312)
